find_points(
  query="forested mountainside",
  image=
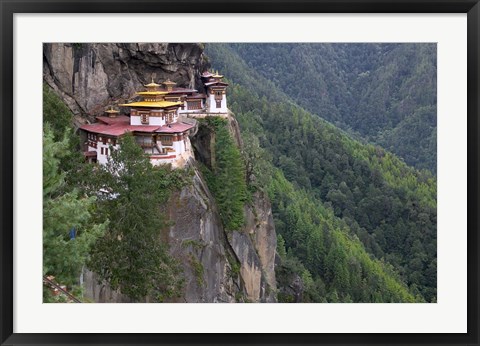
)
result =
(327, 184)
(278, 205)
(382, 93)
(187, 235)
(384, 206)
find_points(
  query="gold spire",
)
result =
(169, 82)
(169, 85)
(152, 94)
(152, 85)
(112, 113)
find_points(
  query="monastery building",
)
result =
(161, 120)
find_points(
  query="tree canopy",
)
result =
(69, 232)
(131, 255)
(358, 220)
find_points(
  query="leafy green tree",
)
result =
(281, 251)
(60, 121)
(131, 256)
(227, 178)
(56, 113)
(68, 230)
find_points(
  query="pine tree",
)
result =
(68, 231)
(227, 179)
(131, 255)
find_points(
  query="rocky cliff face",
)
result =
(255, 247)
(91, 76)
(222, 266)
(197, 239)
(219, 266)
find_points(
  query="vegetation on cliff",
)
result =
(226, 177)
(382, 93)
(68, 230)
(131, 256)
(116, 217)
(355, 223)
(342, 207)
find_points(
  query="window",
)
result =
(144, 141)
(219, 103)
(194, 105)
(144, 118)
(166, 140)
(106, 151)
(101, 151)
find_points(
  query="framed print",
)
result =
(166, 163)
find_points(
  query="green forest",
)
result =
(341, 138)
(354, 220)
(383, 94)
(113, 210)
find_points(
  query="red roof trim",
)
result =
(174, 128)
(121, 128)
(117, 129)
(114, 120)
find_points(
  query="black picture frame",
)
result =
(10, 7)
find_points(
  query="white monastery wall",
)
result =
(212, 105)
(153, 121)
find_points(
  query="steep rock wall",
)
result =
(219, 266)
(255, 247)
(91, 76)
(197, 239)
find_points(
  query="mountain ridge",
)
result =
(373, 91)
(354, 223)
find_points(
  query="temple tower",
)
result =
(153, 109)
(216, 92)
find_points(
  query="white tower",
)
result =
(216, 93)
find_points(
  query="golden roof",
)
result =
(151, 104)
(169, 82)
(151, 93)
(152, 85)
(111, 111)
(216, 75)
